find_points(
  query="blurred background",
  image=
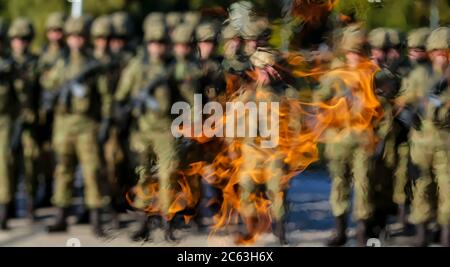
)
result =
(401, 14)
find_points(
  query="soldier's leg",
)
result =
(441, 169)
(5, 174)
(31, 165)
(338, 155)
(246, 184)
(64, 176)
(422, 206)
(400, 182)
(167, 152)
(363, 201)
(401, 174)
(274, 174)
(422, 210)
(88, 153)
(143, 198)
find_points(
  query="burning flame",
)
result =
(302, 126)
(311, 11)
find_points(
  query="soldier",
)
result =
(8, 106)
(113, 138)
(348, 150)
(387, 161)
(73, 83)
(26, 85)
(185, 74)
(101, 31)
(427, 95)
(122, 35)
(206, 37)
(54, 49)
(417, 55)
(141, 71)
(257, 157)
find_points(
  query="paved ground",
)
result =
(309, 224)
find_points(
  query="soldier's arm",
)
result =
(52, 79)
(412, 87)
(126, 82)
(106, 97)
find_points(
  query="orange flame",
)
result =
(311, 11)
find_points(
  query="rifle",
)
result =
(143, 102)
(16, 137)
(412, 119)
(72, 87)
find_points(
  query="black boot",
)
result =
(3, 216)
(168, 231)
(60, 224)
(361, 233)
(31, 211)
(340, 236)
(401, 216)
(421, 239)
(445, 236)
(96, 222)
(280, 232)
(115, 221)
(143, 233)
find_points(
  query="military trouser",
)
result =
(260, 163)
(401, 174)
(75, 140)
(6, 178)
(116, 163)
(348, 161)
(166, 149)
(31, 154)
(430, 151)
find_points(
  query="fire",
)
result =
(311, 11)
(302, 127)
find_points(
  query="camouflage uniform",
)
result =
(348, 151)
(140, 72)
(389, 160)
(416, 39)
(26, 85)
(115, 149)
(47, 59)
(7, 113)
(259, 158)
(76, 124)
(429, 143)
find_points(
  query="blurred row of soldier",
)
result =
(58, 108)
(409, 167)
(105, 105)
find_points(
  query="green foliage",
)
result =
(402, 14)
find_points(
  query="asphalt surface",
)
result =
(309, 223)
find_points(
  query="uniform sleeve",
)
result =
(106, 97)
(126, 82)
(52, 79)
(413, 87)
